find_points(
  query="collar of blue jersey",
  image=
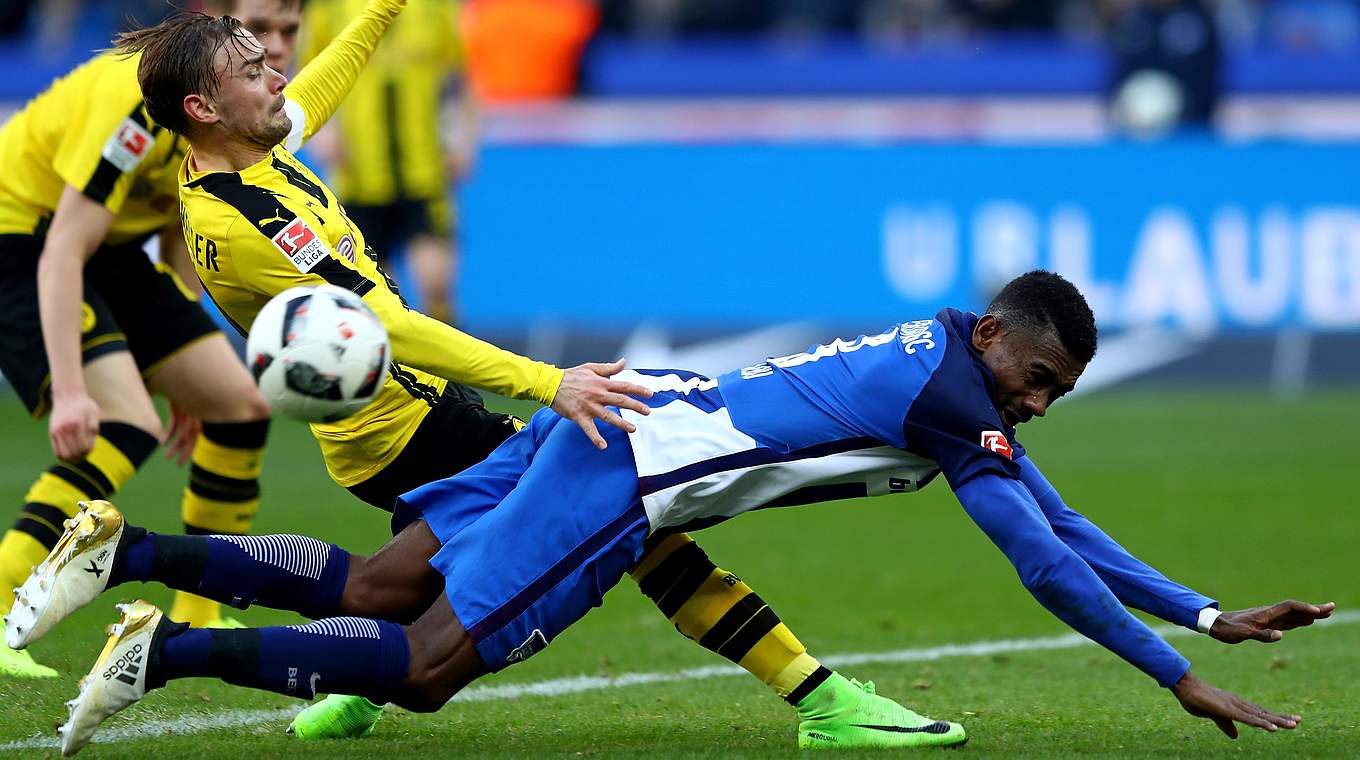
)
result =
(961, 323)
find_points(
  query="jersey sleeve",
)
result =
(1133, 581)
(318, 89)
(1060, 579)
(100, 151)
(285, 251)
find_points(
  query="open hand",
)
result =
(1204, 700)
(183, 435)
(1268, 623)
(586, 392)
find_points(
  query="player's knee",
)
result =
(245, 405)
(364, 594)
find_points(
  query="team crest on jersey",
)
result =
(993, 440)
(346, 248)
(128, 146)
(300, 245)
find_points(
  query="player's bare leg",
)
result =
(396, 582)
(205, 381)
(432, 261)
(443, 660)
(386, 585)
(129, 430)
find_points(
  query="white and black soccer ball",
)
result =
(318, 353)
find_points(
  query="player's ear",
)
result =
(199, 109)
(986, 332)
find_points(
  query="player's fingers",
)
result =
(605, 369)
(84, 441)
(587, 424)
(1283, 721)
(1267, 635)
(58, 445)
(1252, 715)
(632, 389)
(627, 402)
(610, 417)
(1227, 726)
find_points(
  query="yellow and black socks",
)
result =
(222, 497)
(716, 609)
(118, 451)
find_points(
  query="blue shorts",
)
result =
(534, 535)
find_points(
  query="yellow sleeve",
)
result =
(99, 152)
(319, 88)
(418, 341)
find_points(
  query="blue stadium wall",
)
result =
(1197, 236)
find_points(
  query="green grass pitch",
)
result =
(1240, 495)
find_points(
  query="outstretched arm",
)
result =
(1059, 579)
(323, 83)
(1140, 586)
(1067, 587)
(1133, 581)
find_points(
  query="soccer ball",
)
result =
(318, 353)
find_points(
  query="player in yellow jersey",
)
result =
(90, 327)
(257, 222)
(390, 165)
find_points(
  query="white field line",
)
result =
(194, 723)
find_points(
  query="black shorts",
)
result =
(131, 304)
(391, 226)
(458, 432)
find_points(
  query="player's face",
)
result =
(1032, 371)
(249, 99)
(275, 24)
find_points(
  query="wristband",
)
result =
(1207, 616)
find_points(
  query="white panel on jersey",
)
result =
(881, 469)
(293, 142)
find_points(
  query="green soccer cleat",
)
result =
(847, 714)
(338, 716)
(19, 664)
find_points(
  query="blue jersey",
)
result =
(882, 414)
(879, 414)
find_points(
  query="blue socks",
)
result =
(283, 572)
(344, 655)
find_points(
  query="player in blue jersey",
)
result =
(495, 562)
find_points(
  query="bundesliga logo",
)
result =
(993, 440)
(300, 245)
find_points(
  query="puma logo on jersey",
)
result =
(274, 218)
(993, 440)
(300, 244)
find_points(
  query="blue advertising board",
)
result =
(1195, 235)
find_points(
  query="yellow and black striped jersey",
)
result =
(274, 225)
(89, 130)
(390, 124)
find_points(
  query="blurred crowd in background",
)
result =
(1294, 24)
(1153, 57)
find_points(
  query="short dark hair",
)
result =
(179, 57)
(1039, 301)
